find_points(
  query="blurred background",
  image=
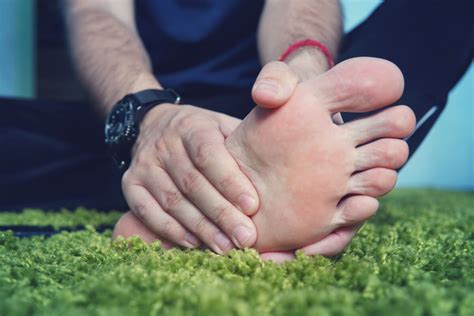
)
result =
(34, 63)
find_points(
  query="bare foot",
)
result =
(315, 178)
(312, 175)
(129, 225)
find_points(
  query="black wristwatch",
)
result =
(123, 122)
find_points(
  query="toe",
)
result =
(334, 243)
(359, 85)
(388, 153)
(355, 209)
(274, 85)
(278, 257)
(373, 182)
(394, 122)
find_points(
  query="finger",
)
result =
(197, 189)
(356, 209)
(128, 226)
(274, 85)
(278, 257)
(360, 84)
(373, 182)
(394, 122)
(182, 210)
(334, 243)
(209, 154)
(227, 123)
(150, 213)
(385, 153)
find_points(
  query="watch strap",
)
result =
(147, 99)
(152, 96)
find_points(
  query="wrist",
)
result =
(140, 82)
(160, 112)
(308, 62)
(144, 81)
(157, 112)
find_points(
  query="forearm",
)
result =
(284, 22)
(109, 56)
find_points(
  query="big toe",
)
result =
(360, 84)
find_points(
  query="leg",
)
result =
(432, 55)
(55, 158)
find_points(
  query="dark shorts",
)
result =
(53, 154)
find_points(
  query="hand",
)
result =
(184, 185)
(273, 88)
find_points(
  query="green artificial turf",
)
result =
(414, 258)
(64, 218)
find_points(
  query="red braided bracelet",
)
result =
(309, 42)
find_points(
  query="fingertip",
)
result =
(247, 204)
(244, 236)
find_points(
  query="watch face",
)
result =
(120, 123)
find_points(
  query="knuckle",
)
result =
(203, 153)
(127, 178)
(223, 214)
(172, 199)
(228, 182)
(185, 121)
(167, 229)
(160, 145)
(201, 226)
(190, 181)
(141, 211)
(142, 159)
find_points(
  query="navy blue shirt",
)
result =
(204, 49)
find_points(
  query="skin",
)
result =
(318, 180)
(170, 187)
(98, 26)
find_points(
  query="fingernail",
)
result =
(246, 203)
(241, 236)
(269, 86)
(191, 240)
(223, 243)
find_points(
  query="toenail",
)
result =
(269, 86)
(241, 236)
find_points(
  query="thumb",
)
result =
(274, 85)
